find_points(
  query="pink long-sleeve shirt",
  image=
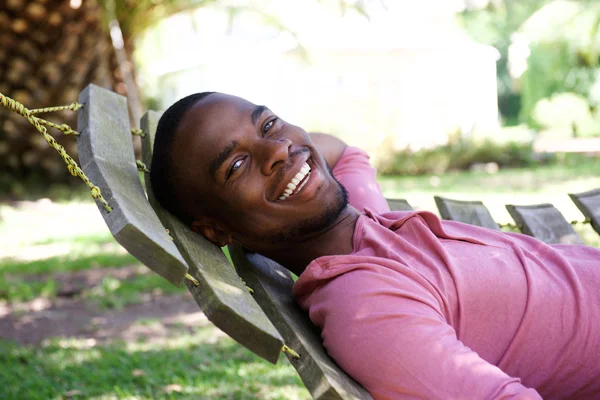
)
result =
(424, 308)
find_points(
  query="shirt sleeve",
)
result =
(392, 341)
(355, 173)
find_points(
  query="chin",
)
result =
(319, 221)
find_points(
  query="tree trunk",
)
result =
(49, 51)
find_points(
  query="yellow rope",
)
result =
(72, 107)
(64, 128)
(74, 169)
(289, 351)
(138, 132)
(247, 287)
(585, 221)
(508, 225)
(192, 279)
(141, 166)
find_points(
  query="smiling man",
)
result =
(410, 306)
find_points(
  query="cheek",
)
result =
(246, 206)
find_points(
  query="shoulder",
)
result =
(330, 147)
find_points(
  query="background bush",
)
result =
(462, 156)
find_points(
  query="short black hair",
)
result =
(163, 174)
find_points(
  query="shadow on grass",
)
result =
(182, 367)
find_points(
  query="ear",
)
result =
(212, 230)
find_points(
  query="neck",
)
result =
(334, 240)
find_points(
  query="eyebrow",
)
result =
(256, 113)
(223, 155)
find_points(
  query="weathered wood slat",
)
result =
(399, 205)
(469, 212)
(589, 204)
(106, 154)
(221, 294)
(544, 222)
(272, 286)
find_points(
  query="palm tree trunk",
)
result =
(49, 50)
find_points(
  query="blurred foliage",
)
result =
(494, 26)
(463, 155)
(554, 68)
(564, 53)
(565, 115)
(135, 16)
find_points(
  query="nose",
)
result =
(272, 152)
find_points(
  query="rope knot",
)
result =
(72, 169)
(95, 190)
(67, 130)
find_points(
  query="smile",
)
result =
(297, 182)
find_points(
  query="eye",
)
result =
(269, 125)
(234, 167)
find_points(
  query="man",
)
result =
(410, 306)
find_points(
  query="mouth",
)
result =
(297, 183)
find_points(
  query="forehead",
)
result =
(217, 112)
(209, 126)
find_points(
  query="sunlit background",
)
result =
(384, 76)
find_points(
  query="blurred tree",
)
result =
(494, 25)
(564, 57)
(564, 46)
(49, 51)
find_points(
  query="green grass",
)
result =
(114, 293)
(544, 184)
(76, 253)
(74, 261)
(181, 367)
(20, 290)
(530, 180)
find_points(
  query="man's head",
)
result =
(223, 165)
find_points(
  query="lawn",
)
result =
(545, 184)
(58, 260)
(199, 365)
(53, 245)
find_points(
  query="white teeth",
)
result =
(291, 187)
(304, 183)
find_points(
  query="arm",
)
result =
(351, 168)
(391, 339)
(330, 146)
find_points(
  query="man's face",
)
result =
(262, 178)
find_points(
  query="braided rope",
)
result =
(138, 132)
(509, 225)
(514, 226)
(291, 352)
(64, 128)
(72, 107)
(584, 222)
(74, 169)
(248, 287)
(192, 279)
(141, 166)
